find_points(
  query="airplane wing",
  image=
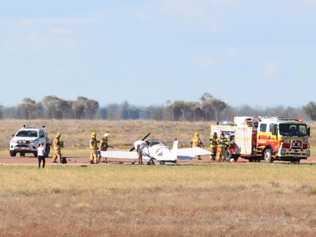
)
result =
(182, 154)
(119, 155)
(190, 153)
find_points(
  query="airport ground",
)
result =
(125, 200)
(205, 199)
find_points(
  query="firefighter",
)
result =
(213, 145)
(57, 145)
(104, 145)
(141, 148)
(94, 149)
(232, 148)
(140, 158)
(222, 147)
(196, 140)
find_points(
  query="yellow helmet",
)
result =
(106, 135)
(58, 135)
(94, 135)
(196, 134)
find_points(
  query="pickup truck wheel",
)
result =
(267, 155)
(12, 153)
(22, 154)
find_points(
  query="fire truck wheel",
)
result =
(296, 161)
(267, 155)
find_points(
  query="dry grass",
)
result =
(216, 200)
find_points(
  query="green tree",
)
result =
(310, 110)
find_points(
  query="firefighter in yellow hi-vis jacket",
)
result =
(104, 145)
(57, 145)
(222, 147)
(213, 145)
(94, 148)
(196, 140)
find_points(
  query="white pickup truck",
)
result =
(26, 141)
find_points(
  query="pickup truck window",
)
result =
(27, 133)
(41, 133)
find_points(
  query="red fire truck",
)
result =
(268, 139)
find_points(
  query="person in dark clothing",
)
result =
(104, 145)
(41, 155)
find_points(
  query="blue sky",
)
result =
(147, 52)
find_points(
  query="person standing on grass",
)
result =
(57, 145)
(94, 147)
(197, 142)
(214, 142)
(41, 155)
(104, 145)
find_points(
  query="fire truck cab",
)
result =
(269, 139)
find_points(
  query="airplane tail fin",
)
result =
(174, 151)
(175, 145)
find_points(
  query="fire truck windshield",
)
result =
(291, 130)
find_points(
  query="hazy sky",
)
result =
(149, 51)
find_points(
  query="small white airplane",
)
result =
(155, 152)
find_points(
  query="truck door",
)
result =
(262, 135)
(273, 140)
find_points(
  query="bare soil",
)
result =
(84, 160)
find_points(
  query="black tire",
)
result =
(268, 155)
(152, 162)
(12, 153)
(35, 154)
(296, 161)
(22, 154)
(252, 159)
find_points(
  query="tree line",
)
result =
(207, 108)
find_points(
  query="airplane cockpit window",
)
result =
(153, 142)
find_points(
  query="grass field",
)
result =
(215, 200)
(123, 200)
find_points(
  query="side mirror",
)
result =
(309, 131)
(275, 130)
